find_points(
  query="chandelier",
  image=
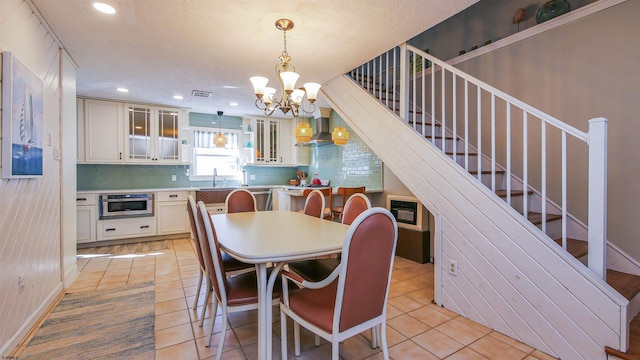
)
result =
(290, 98)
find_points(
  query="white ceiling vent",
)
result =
(200, 93)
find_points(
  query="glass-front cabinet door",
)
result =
(139, 133)
(152, 134)
(267, 141)
(167, 140)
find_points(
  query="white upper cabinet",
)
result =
(103, 131)
(271, 141)
(152, 134)
(111, 132)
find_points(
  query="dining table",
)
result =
(274, 238)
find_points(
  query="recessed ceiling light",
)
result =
(233, 103)
(104, 8)
(122, 90)
(178, 97)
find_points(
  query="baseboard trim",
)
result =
(30, 325)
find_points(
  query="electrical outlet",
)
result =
(252, 177)
(453, 267)
(173, 178)
(20, 283)
(345, 176)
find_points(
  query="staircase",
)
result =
(413, 91)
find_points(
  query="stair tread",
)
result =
(503, 193)
(536, 217)
(460, 153)
(577, 248)
(628, 285)
(410, 122)
(485, 172)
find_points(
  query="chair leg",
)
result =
(374, 337)
(283, 335)
(206, 302)
(383, 339)
(223, 333)
(296, 337)
(195, 302)
(335, 349)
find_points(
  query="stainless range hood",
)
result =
(322, 136)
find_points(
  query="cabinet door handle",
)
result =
(120, 156)
(173, 196)
(81, 199)
(144, 227)
(110, 229)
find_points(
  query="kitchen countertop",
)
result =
(179, 189)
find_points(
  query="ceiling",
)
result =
(161, 48)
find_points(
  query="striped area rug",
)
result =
(104, 324)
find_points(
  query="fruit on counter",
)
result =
(316, 181)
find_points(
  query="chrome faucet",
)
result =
(215, 173)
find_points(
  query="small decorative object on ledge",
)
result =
(518, 17)
(552, 9)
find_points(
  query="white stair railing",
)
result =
(449, 107)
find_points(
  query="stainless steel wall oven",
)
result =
(115, 206)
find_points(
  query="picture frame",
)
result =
(22, 120)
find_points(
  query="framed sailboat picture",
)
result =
(22, 120)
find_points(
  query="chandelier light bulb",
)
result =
(312, 91)
(289, 79)
(259, 83)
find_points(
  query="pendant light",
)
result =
(220, 140)
(340, 135)
(303, 132)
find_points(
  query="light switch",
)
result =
(173, 178)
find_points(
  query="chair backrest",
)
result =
(367, 262)
(314, 204)
(195, 229)
(211, 253)
(346, 192)
(240, 200)
(356, 205)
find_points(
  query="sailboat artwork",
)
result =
(22, 93)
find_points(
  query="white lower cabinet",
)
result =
(124, 228)
(86, 218)
(172, 212)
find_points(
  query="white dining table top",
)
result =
(276, 236)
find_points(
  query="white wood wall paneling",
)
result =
(443, 188)
(508, 287)
(30, 215)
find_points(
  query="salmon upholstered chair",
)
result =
(354, 297)
(234, 293)
(314, 204)
(318, 269)
(232, 265)
(240, 200)
(328, 196)
(345, 193)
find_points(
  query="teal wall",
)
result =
(353, 164)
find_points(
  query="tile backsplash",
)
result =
(353, 164)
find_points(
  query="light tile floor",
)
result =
(416, 328)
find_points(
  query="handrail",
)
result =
(398, 78)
